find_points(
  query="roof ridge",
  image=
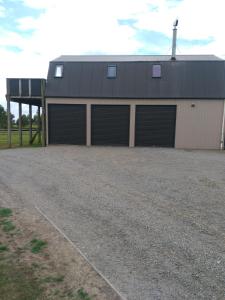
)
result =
(137, 57)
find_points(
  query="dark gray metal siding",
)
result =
(13, 85)
(155, 125)
(180, 80)
(67, 124)
(36, 87)
(24, 87)
(110, 125)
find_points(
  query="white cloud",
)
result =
(2, 11)
(27, 23)
(82, 26)
(198, 20)
(76, 26)
(91, 26)
(9, 38)
(40, 4)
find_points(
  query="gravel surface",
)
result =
(151, 220)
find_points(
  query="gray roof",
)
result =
(117, 58)
(181, 79)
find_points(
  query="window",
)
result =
(111, 72)
(156, 71)
(59, 71)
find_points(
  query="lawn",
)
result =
(28, 269)
(15, 139)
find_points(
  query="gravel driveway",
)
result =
(151, 220)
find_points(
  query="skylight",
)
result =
(111, 72)
(59, 71)
(156, 71)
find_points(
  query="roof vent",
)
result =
(174, 45)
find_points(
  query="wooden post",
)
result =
(30, 124)
(20, 125)
(9, 121)
(43, 113)
(39, 125)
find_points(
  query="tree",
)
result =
(13, 122)
(35, 119)
(24, 120)
(3, 117)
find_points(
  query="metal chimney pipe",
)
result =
(174, 45)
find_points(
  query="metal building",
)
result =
(136, 101)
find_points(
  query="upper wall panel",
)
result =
(178, 80)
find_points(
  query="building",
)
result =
(136, 101)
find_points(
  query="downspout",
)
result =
(222, 131)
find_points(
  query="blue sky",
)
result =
(33, 32)
(14, 10)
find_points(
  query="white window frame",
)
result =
(158, 71)
(58, 71)
(115, 71)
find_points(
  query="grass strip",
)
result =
(5, 212)
(3, 248)
(37, 245)
(7, 226)
(18, 282)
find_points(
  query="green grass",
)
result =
(53, 279)
(18, 282)
(35, 265)
(37, 245)
(15, 139)
(5, 212)
(82, 295)
(3, 248)
(7, 225)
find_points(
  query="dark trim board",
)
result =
(155, 125)
(67, 124)
(137, 98)
(110, 125)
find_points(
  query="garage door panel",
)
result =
(110, 125)
(67, 124)
(155, 125)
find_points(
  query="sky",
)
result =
(33, 32)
